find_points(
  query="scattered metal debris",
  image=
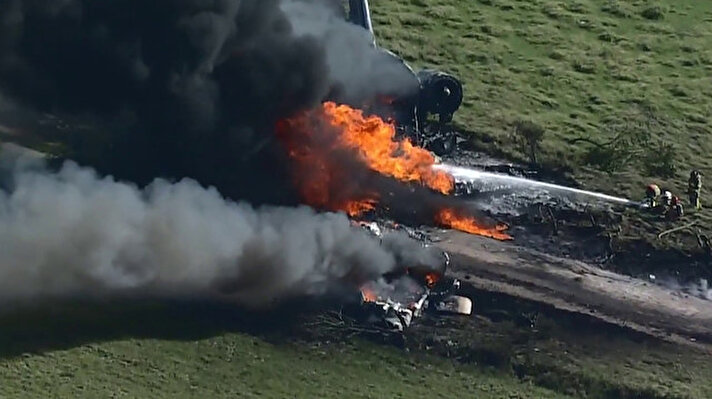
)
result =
(404, 295)
(396, 315)
(455, 304)
(392, 315)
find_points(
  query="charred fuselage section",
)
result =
(434, 93)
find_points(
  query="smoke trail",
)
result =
(73, 233)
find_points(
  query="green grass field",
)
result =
(240, 366)
(570, 66)
(574, 67)
(182, 350)
(188, 350)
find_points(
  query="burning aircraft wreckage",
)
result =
(392, 171)
(368, 156)
(378, 161)
(392, 141)
(432, 92)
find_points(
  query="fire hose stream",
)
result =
(501, 181)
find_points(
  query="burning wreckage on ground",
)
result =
(392, 172)
(394, 301)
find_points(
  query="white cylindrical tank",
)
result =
(455, 304)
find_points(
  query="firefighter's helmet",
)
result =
(653, 191)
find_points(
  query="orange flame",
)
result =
(431, 279)
(368, 295)
(322, 142)
(333, 146)
(356, 208)
(375, 142)
(452, 219)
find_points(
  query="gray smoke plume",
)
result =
(72, 233)
(402, 246)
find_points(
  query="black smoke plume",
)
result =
(186, 88)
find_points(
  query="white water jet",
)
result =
(496, 181)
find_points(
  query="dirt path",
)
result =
(578, 287)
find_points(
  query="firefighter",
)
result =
(674, 211)
(694, 186)
(663, 203)
(666, 199)
(652, 193)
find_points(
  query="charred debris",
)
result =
(393, 302)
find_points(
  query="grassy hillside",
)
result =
(181, 350)
(184, 350)
(237, 365)
(581, 69)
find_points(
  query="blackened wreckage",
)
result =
(435, 93)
